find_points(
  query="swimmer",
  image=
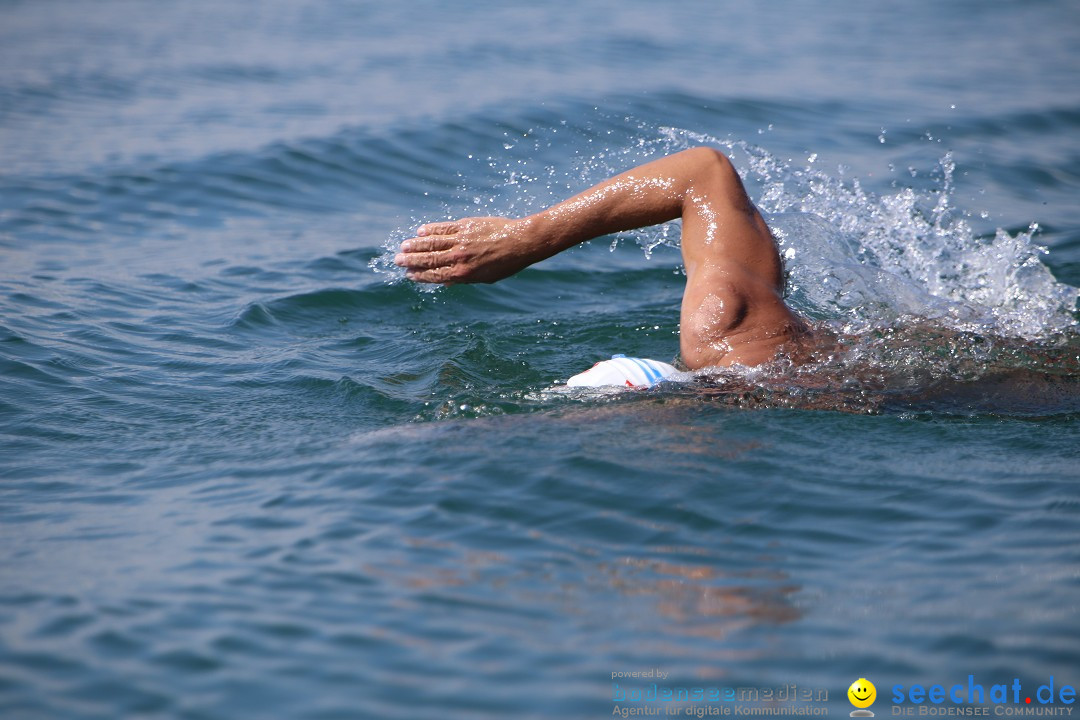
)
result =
(732, 307)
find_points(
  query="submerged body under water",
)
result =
(909, 369)
(246, 470)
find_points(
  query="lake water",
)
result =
(247, 470)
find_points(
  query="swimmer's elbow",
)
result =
(710, 172)
(708, 158)
(707, 163)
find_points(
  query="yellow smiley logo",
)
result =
(862, 693)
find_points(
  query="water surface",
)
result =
(248, 470)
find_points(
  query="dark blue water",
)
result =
(246, 470)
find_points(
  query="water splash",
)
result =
(866, 261)
(383, 263)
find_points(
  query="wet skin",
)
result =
(732, 309)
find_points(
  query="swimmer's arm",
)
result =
(490, 249)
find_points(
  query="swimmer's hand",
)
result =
(472, 250)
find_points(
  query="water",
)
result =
(248, 471)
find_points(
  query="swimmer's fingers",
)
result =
(438, 228)
(426, 260)
(446, 275)
(427, 244)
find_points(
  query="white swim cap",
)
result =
(624, 371)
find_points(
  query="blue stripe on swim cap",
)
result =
(651, 373)
(656, 371)
(628, 367)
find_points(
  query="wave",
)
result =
(415, 164)
(452, 161)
